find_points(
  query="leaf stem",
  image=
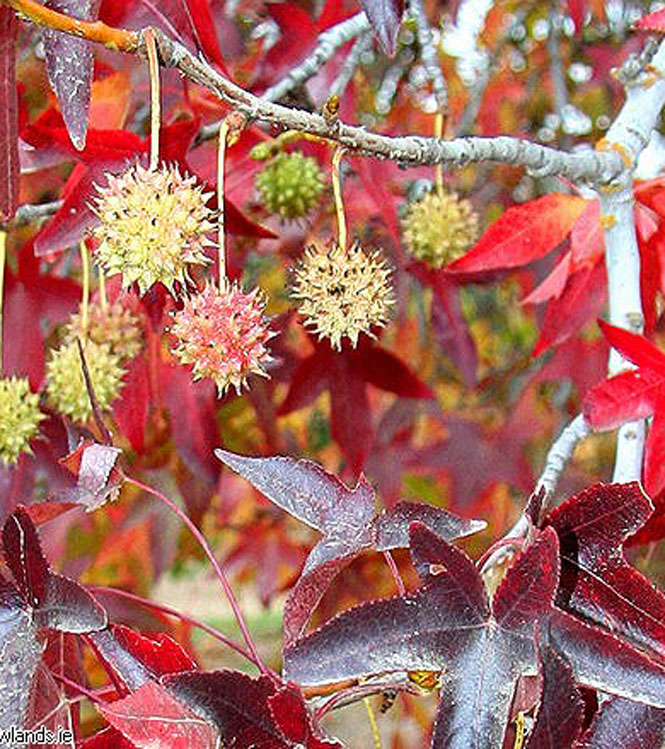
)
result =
(376, 736)
(337, 192)
(221, 233)
(255, 657)
(85, 294)
(174, 612)
(438, 168)
(394, 569)
(102, 290)
(155, 97)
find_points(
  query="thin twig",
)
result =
(600, 167)
(29, 212)
(228, 591)
(121, 40)
(221, 233)
(328, 43)
(560, 453)
(353, 60)
(174, 612)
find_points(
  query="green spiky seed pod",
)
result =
(439, 228)
(114, 325)
(291, 185)
(19, 418)
(153, 223)
(65, 383)
(343, 293)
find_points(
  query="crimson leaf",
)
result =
(483, 648)
(152, 717)
(9, 164)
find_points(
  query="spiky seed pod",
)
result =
(343, 293)
(19, 418)
(291, 185)
(65, 383)
(439, 228)
(114, 325)
(223, 335)
(153, 223)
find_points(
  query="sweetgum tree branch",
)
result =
(591, 166)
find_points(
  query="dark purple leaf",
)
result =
(626, 724)
(346, 517)
(69, 64)
(392, 526)
(308, 492)
(596, 580)
(385, 17)
(559, 718)
(307, 593)
(449, 625)
(119, 661)
(9, 159)
(24, 557)
(57, 602)
(236, 704)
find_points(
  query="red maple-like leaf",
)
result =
(523, 233)
(596, 580)
(345, 375)
(250, 712)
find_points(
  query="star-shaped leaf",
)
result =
(346, 517)
(481, 646)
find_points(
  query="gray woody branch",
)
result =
(329, 42)
(598, 167)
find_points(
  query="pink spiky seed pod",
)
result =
(223, 335)
(153, 224)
